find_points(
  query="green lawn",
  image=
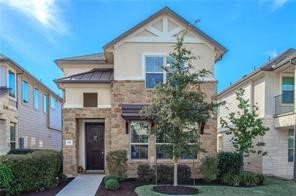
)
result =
(274, 187)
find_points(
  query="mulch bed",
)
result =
(50, 192)
(127, 187)
(175, 190)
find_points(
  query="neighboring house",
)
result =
(272, 88)
(30, 113)
(104, 93)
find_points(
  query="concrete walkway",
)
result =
(83, 185)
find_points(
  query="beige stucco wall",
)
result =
(74, 94)
(129, 61)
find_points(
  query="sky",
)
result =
(34, 33)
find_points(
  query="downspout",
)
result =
(294, 118)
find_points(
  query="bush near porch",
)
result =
(34, 171)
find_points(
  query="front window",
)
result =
(139, 139)
(288, 90)
(291, 145)
(36, 98)
(155, 73)
(164, 149)
(25, 92)
(45, 103)
(12, 136)
(11, 84)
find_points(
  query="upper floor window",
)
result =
(25, 91)
(36, 98)
(11, 83)
(45, 100)
(288, 89)
(90, 99)
(154, 72)
(52, 102)
(139, 139)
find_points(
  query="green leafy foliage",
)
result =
(108, 178)
(34, 171)
(245, 126)
(117, 163)
(24, 151)
(244, 178)
(5, 177)
(147, 174)
(209, 168)
(230, 162)
(112, 184)
(178, 105)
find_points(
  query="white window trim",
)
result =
(35, 100)
(15, 83)
(26, 103)
(44, 94)
(130, 141)
(282, 75)
(151, 54)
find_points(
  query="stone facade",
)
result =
(116, 136)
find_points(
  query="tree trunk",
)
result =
(175, 172)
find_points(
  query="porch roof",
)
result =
(132, 112)
(93, 76)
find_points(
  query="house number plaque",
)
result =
(69, 142)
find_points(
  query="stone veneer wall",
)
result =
(129, 92)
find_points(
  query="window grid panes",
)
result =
(11, 84)
(291, 145)
(25, 91)
(139, 139)
(45, 100)
(36, 98)
(12, 136)
(288, 90)
(164, 149)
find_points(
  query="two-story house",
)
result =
(272, 88)
(104, 93)
(30, 113)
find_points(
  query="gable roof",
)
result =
(4, 58)
(96, 57)
(94, 76)
(171, 12)
(271, 65)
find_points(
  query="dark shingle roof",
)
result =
(87, 57)
(3, 89)
(273, 64)
(93, 76)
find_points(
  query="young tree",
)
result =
(245, 126)
(178, 106)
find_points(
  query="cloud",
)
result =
(277, 4)
(44, 12)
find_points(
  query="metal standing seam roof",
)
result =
(88, 57)
(94, 76)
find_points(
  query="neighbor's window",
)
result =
(11, 84)
(90, 99)
(52, 102)
(291, 145)
(36, 98)
(45, 103)
(164, 149)
(288, 90)
(12, 135)
(139, 139)
(25, 91)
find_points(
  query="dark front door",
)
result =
(94, 146)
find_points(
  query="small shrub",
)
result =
(145, 173)
(34, 171)
(209, 168)
(112, 184)
(229, 162)
(24, 151)
(117, 163)
(5, 177)
(184, 174)
(108, 178)
(165, 174)
(243, 179)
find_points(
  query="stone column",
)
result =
(70, 151)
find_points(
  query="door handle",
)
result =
(102, 153)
